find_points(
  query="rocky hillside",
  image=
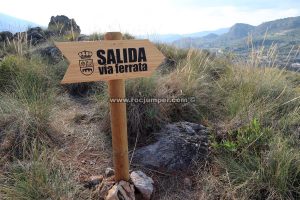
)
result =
(282, 34)
(288, 27)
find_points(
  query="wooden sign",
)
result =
(112, 60)
(109, 60)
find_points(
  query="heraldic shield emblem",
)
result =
(86, 63)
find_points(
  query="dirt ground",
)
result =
(88, 151)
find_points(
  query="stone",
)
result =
(109, 172)
(51, 53)
(112, 193)
(121, 191)
(62, 25)
(36, 35)
(178, 147)
(49, 33)
(102, 189)
(83, 37)
(5, 36)
(143, 183)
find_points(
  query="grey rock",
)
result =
(143, 184)
(52, 53)
(49, 33)
(83, 37)
(36, 35)
(6, 35)
(178, 146)
(62, 25)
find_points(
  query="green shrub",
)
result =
(252, 138)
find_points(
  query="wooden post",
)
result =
(118, 122)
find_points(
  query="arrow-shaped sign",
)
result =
(109, 60)
(112, 60)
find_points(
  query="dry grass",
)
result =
(42, 177)
(255, 154)
(25, 105)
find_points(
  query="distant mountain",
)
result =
(210, 36)
(13, 24)
(238, 31)
(278, 26)
(284, 32)
(169, 38)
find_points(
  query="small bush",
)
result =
(251, 138)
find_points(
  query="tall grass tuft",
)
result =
(272, 175)
(25, 106)
(143, 118)
(41, 177)
(17, 45)
(192, 79)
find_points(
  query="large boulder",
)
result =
(62, 25)
(36, 35)
(178, 146)
(6, 35)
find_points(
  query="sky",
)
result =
(152, 16)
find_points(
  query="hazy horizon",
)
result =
(154, 17)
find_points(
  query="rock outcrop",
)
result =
(5, 36)
(177, 148)
(62, 25)
(36, 35)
